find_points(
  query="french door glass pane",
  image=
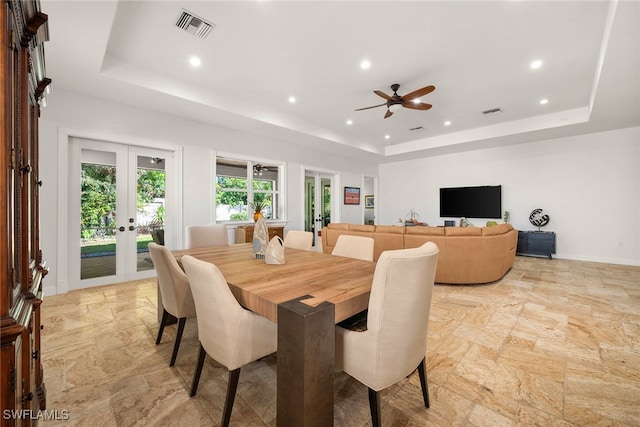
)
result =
(150, 203)
(97, 218)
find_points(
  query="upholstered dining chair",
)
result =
(230, 334)
(298, 239)
(174, 292)
(395, 340)
(198, 236)
(359, 247)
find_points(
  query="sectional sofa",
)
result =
(468, 255)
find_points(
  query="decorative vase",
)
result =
(260, 238)
(256, 216)
(274, 254)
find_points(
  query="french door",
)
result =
(318, 193)
(117, 206)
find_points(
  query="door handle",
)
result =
(131, 228)
(121, 228)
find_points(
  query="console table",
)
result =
(536, 243)
(244, 234)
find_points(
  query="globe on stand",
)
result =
(538, 218)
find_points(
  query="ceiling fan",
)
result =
(396, 102)
(258, 169)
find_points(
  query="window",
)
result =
(243, 187)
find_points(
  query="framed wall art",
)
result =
(351, 195)
(368, 202)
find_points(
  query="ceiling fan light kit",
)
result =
(394, 108)
(396, 102)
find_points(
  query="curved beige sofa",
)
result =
(468, 255)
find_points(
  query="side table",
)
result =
(244, 234)
(536, 243)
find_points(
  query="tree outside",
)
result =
(232, 198)
(98, 205)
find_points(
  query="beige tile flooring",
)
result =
(554, 343)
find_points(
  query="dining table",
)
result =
(306, 296)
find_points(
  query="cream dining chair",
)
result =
(298, 239)
(174, 292)
(359, 247)
(395, 340)
(231, 335)
(198, 236)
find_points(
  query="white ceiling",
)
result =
(476, 54)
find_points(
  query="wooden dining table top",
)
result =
(260, 287)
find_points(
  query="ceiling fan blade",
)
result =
(418, 93)
(388, 114)
(414, 106)
(383, 95)
(373, 106)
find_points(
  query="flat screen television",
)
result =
(471, 202)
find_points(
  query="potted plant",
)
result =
(258, 205)
(157, 226)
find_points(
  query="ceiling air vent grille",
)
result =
(492, 111)
(193, 24)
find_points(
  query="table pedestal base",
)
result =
(306, 360)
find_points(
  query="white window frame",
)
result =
(279, 200)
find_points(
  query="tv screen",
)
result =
(471, 202)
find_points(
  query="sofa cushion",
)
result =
(386, 242)
(392, 229)
(496, 229)
(362, 228)
(338, 225)
(463, 231)
(425, 230)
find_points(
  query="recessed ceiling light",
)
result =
(416, 100)
(544, 101)
(349, 122)
(365, 65)
(536, 64)
(195, 61)
(447, 123)
(292, 99)
(387, 136)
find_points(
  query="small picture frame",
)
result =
(368, 202)
(351, 195)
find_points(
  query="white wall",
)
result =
(352, 214)
(589, 185)
(72, 112)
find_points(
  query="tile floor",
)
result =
(554, 343)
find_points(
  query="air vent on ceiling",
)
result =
(193, 24)
(492, 111)
(417, 128)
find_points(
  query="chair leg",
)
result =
(231, 395)
(165, 316)
(423, 382)
(176, 346)
(196, 375)
(374, 404)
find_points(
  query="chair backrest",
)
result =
(298, 239)
(354, 247)
(174, 285)
(198, 236)
(399, 306)
(230, 334)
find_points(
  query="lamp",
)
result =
(395, 107)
